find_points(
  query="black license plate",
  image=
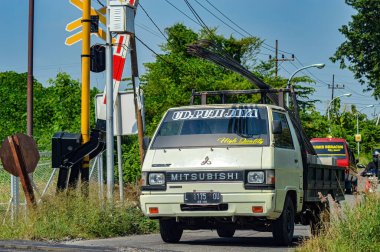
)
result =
(202, 198)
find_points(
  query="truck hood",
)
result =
(236, 158)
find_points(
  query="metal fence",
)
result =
(44, 180)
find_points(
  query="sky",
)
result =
(308, 29)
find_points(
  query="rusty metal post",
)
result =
(29, 106)
(135, 74)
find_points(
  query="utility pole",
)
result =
(109, 110)
(334, 86)
(135, 75)
(283, 59)
(29, 103)
(85, 106)
(276, 57)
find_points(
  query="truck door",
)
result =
(287, 156)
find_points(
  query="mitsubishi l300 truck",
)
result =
(233, 166)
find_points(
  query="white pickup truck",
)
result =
(229, 167)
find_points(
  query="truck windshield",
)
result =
(212, 127)
(330, 149)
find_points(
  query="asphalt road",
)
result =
(204, 240)
(200, 240)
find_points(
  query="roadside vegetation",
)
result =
(75, 216)
(355, 229)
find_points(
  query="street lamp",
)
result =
(328, 107)
(319, 66)
(357, 124)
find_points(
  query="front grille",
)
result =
(219, 207)
(205, 176)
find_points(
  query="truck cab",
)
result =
(235, 166)
(223, 167)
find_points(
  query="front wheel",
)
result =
(170, 230)
(283, 227)
(226, 232)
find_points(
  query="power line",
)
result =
(100, 3)
(148, 30)
(201, 22)
(146, 13)
(228, 18)
(230, 25)
(159, 56)
(307, 70)
(218, 18)
(271, 48)
(175, 7)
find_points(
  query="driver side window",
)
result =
(283, 140)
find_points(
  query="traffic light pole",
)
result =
(85, 106)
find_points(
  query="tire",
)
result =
(171, 231)
(283, 227)
(320, 218)
(226, 232)
(348, 186)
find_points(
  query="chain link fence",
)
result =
(44, 180)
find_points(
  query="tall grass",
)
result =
(357, 229)
(72, 216)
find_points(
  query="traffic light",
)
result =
(98, 58)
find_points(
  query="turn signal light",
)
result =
(153, 210)
(257, 209)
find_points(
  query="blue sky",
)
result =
(307, 28)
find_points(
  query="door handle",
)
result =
(295, 160)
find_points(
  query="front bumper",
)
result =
(238, 204)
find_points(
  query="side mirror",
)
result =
(277, 127)
(360, 166)
(146, 142)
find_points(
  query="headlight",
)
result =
(156, 179)
(256, 177)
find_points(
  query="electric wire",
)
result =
(271, 48)
(228, 18)
(159, 56)
(148, 30)
(310, 73)
(100, 3)
(218, 18)
(175, 7)
(154, 23)
(201, 22)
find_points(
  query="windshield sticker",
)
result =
(214, 113)
(235, 140)
(329, 147)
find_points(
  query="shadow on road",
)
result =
(264, 242)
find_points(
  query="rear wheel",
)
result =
(170, 230)
(320, 218)
(283, 227)
(226, 232)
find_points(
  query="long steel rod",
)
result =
(109, 112)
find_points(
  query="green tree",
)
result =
(171, 78)
(56, 107)
(13, 103)
(362, 48)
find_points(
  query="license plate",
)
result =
(202, 198)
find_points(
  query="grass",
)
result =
(356, 229)
(74, 216)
